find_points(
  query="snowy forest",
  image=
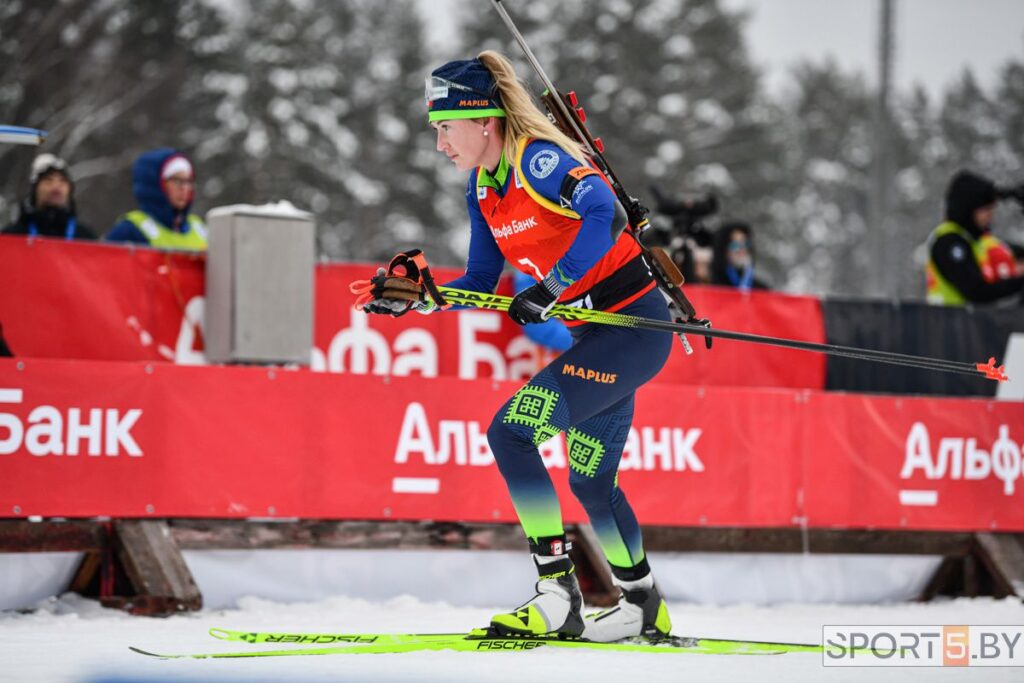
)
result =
(320, 102)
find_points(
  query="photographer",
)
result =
(688, 241)
(966, 262)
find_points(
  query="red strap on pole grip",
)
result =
(422, 274)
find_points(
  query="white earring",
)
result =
(485, 133)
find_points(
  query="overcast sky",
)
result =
(935, 39)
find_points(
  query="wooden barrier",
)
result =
(137, 565)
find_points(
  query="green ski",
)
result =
(473, 645)
(375, 648)
(477, 640)
(708, 645)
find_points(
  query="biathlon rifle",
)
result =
(567, 114)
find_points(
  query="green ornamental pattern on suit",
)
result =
(532, 407)
(585, 453)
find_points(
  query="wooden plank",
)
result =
(153, 562)
(86, 572)
(794, 540)
(1003, 556)
(22, 536)
(943, 580)
(970, 574)
(196, 534)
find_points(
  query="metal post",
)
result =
(882, 235)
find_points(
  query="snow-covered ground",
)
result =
(73, 639)
(728, 595)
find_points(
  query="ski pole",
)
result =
(497, 302)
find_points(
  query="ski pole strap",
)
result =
(413, 265)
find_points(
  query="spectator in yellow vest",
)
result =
(966, 262)
(164, 187)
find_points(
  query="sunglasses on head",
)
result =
(437, 88)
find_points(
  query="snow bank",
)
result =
(281, 209)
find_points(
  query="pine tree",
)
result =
(1009, 103)
(922, 171)
(822, 224)
(316, 102)
(107, 80)
(972, 129)
(325, 109)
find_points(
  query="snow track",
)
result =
(74, 640)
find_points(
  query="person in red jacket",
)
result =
(535, 201)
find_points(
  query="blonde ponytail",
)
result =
(522, 117)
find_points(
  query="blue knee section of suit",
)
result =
(593, 493)
(507, 442)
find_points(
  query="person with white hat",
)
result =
(49, 209)
(164, 186)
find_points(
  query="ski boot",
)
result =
(641, 611)
(557, 607)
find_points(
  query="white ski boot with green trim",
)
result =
(556, 609)
(641, 612)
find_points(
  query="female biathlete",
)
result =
(536, 201)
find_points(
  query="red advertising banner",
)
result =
(86, 438)
(62, 299)
(914, 463)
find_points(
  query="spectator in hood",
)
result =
(966, 262)
(732, 264)
(163, 182)
(49, 208)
